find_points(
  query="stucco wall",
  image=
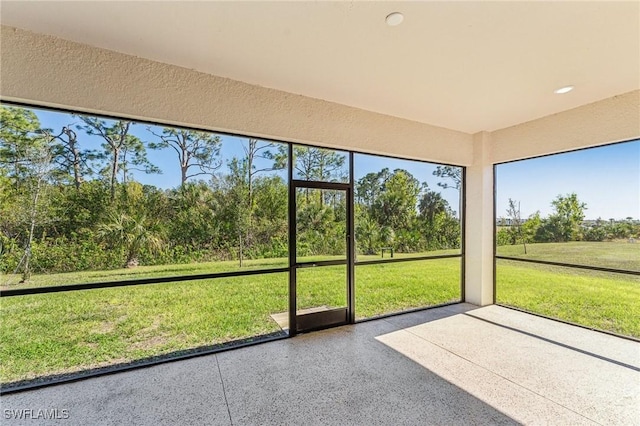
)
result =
(54, 72)
(610, 120)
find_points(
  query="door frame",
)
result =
(334, 317)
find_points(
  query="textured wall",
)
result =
(54, 72)
(610, 120)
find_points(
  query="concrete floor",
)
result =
(453, 365)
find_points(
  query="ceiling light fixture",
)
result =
(563, 90)
(394, 19)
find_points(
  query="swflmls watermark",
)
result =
(35, 414)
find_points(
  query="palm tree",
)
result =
(367, 234)
(131, 234)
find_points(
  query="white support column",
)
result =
(479, 224)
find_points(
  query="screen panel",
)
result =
(387, 288)
(406, 208)
(578, 208)
(45, 334)
(602, 300)
(88, 199)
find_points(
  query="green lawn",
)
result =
(609, 254)
(605, 301)
(61, 332)
(42, 280)
(8, 281)
(64, 332)
(385, 288)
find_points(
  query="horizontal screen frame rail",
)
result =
(321, 263)
(408, 259)
(142, 281)
(571, 265)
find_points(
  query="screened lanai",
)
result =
(200, 180)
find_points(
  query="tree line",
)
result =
(565, 223)
(68, 205)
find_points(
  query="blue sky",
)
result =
(606, 178)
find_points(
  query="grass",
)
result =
(600, 300)
(11, 281)
(43, 280)
(385, 288)
(605, 301)
(66, 332)
(610, 254)
(62, 332)
(58, 333)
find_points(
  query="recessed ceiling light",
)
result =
(562, 90)
(394, 19)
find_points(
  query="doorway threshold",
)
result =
(282, 318)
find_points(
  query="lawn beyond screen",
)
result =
(568, 236)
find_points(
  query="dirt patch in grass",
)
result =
(150, 343)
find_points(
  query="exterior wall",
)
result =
(610, 120)
(54, 72)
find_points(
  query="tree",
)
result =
(270, 215)
(77, 211)
(312, 164)
(513, 212)
(530, 227)
(31, 200)
(454, 174)
(317, 164)
(19, 129)
(564, 224)
(321, 228)
(134, 157)
(122, 151)
(131, 234)
(569, 212)
(596, 232)
(396, 205)
(192, 218)
(438, 224)
(40, 169)
(233, 212)
(431, 203)
(370, 187)
(443, 232)
(367, 231)
(388, 200)
(71, 160)
(198, 152)
(239, 195)
(255, 150)
(25, 153)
